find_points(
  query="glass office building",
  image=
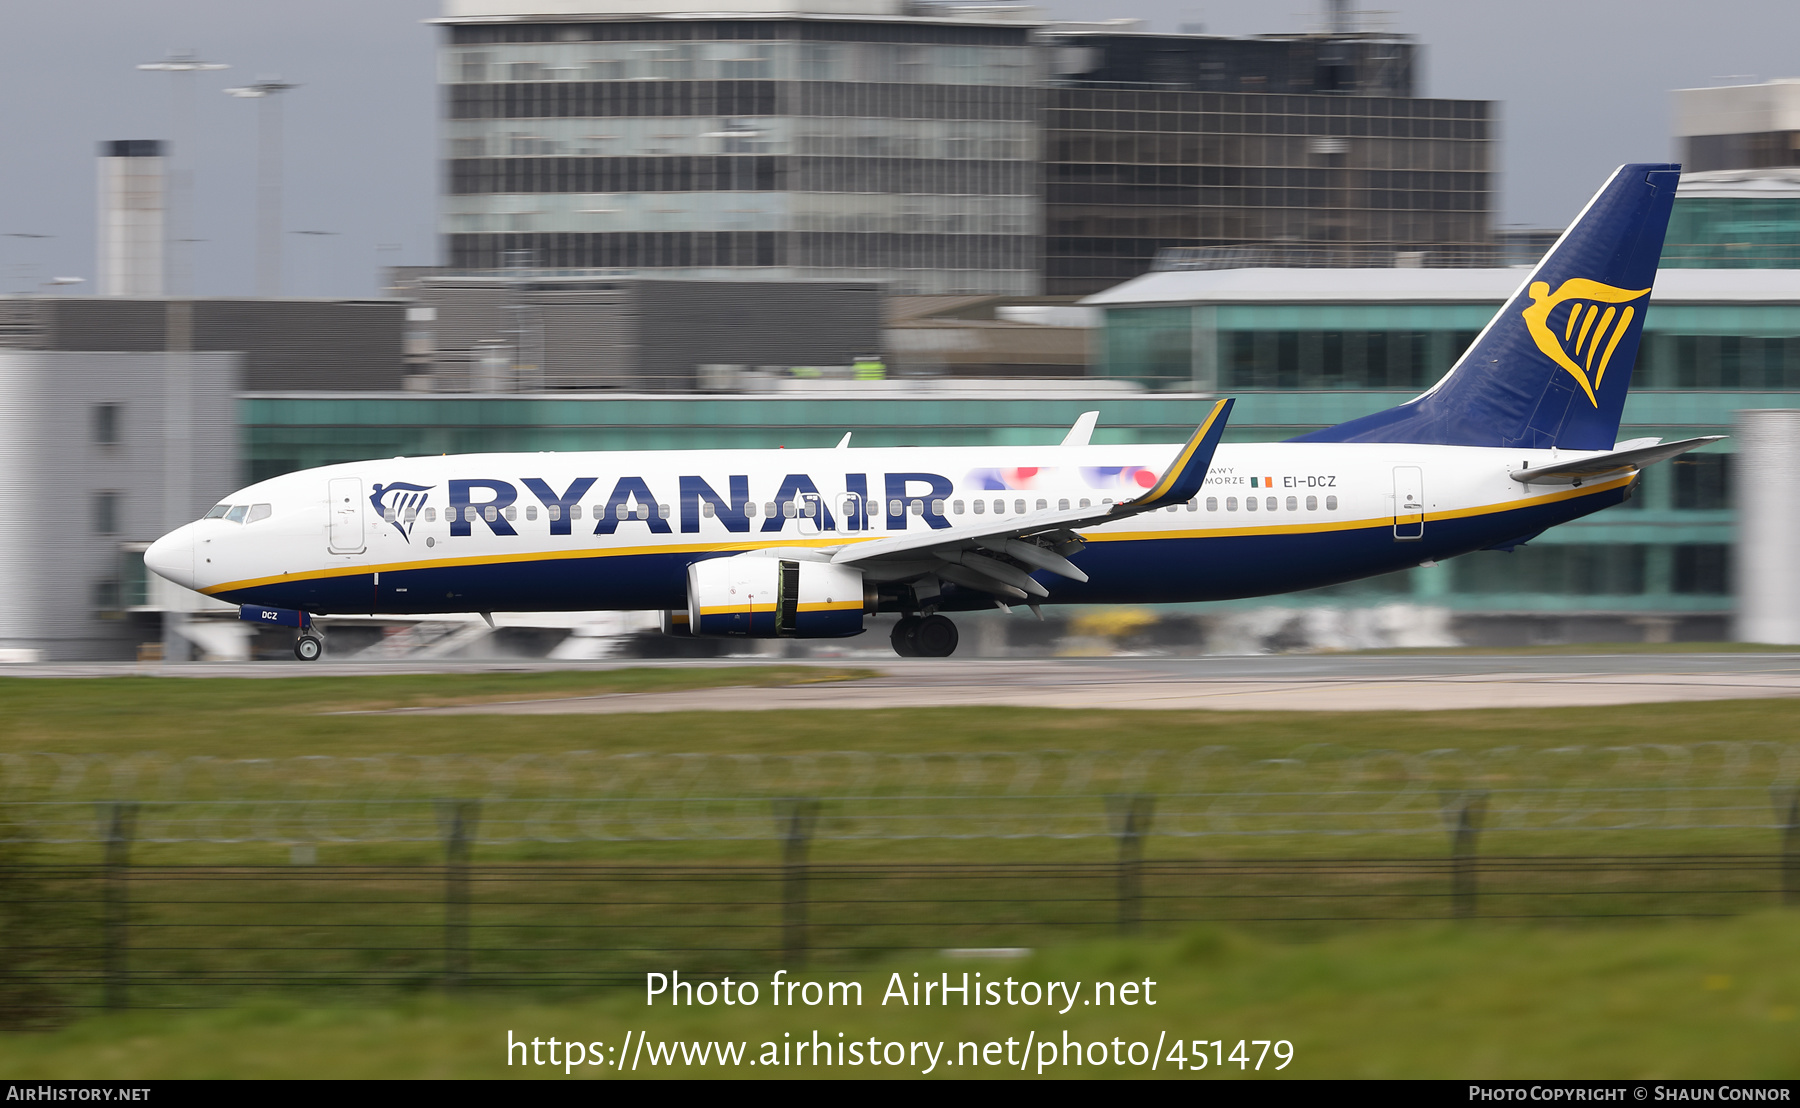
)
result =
(1309, 348)
(800, 146)
(1180, 141)
(942, 149)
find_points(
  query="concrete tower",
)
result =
(132, 216)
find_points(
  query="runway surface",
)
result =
(1233, 684)
(1375, 683)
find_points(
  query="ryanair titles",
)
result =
(484, 502)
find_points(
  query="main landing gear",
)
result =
(924, 637)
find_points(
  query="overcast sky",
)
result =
(1582, 84)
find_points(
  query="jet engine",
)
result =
(763, 597)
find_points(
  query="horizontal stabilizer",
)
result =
(1586, 469)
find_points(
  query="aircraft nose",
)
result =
(172, 556)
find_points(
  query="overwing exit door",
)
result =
(813, 518)
(1409, 504)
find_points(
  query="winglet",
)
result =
(1187, 473)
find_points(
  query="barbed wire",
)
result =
(592, 796)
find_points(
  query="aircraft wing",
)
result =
(998, 556)
(1586, 469)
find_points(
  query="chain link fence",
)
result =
(122, 925)
(1204, 793)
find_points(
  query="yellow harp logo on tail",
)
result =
(1591, 329)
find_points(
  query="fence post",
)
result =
(118, 820)
(795, 818)
(1471, 807)
(1130, 817)
(457, 818)
(1790, 845)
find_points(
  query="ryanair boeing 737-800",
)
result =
(1519, 436)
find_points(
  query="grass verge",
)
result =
(1627, 1000)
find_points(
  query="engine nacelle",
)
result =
(766, 598)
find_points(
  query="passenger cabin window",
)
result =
(1331, 503)
(1249, 503)
(980, 506)
(937, 507)
(236, 515)
(1042, 504)
(1212, 503)
(1269, 503)
(1062, 505)
(431, 515)
(1194, 504)
(218, 512)
(707, 509)
(1293, 503)
(388, 515)
(1312, 503)
(530, 513)
(553, 512)
(750, 510)
(1231, 503)
(1084, 502)
(512, 513)
(410, 515)
(1019, 507)
(575, 512)
(957, 507)
(488, 513)
(662, 511)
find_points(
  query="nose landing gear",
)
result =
(309, 648)
(931, 636)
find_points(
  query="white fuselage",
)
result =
(616, 530)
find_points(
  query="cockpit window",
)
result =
(236, 515)
(258, 511)
(218, 512)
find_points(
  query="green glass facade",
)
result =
(1362, 346)
(1731, 232)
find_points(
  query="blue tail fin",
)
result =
(1553, 367)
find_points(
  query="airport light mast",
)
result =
(181, 65)
(268, 184)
